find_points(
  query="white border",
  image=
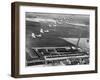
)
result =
(36, 70)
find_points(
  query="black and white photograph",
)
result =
(54, 39)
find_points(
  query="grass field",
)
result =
(62, 36)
